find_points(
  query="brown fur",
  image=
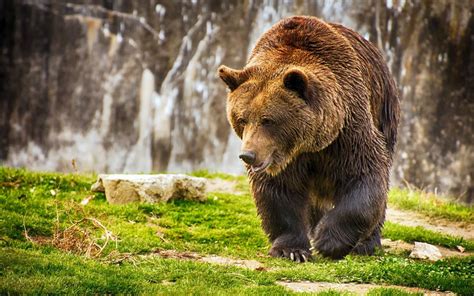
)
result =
(317, 104)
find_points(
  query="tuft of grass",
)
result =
(225, 225)
(430, 205)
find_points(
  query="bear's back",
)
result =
(384, 98)
(287, 39)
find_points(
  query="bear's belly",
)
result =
(321, 194)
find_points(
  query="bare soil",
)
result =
(358, 289)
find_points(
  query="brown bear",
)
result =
(317, 111)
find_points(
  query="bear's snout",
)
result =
(248, 157)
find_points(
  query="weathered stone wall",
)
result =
(430, 47)
(131, 85)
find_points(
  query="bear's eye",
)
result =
(267, 122)
(241, 121)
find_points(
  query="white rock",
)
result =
(425, 251)
(121, 189)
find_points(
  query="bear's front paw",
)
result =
(330, 246)
(299, 255)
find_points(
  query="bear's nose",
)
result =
(248, 157)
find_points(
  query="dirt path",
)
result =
(439, 225)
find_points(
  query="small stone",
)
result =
(425, 251)
(86, 200)
(460, 249)
(98, 186)
(124, 188)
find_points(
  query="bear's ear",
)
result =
(296, 80)
(233, 78)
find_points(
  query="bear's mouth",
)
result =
(262, 166)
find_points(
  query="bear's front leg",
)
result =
(358, 211)
(284, 218)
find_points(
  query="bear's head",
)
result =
(282, 112)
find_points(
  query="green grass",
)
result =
(430, 205)
(226, 225)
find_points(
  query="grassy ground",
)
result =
(48, 207)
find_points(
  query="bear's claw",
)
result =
(294, 254)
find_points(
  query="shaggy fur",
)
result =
(318, 108)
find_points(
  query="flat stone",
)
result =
(425, 251)
(125, 188)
